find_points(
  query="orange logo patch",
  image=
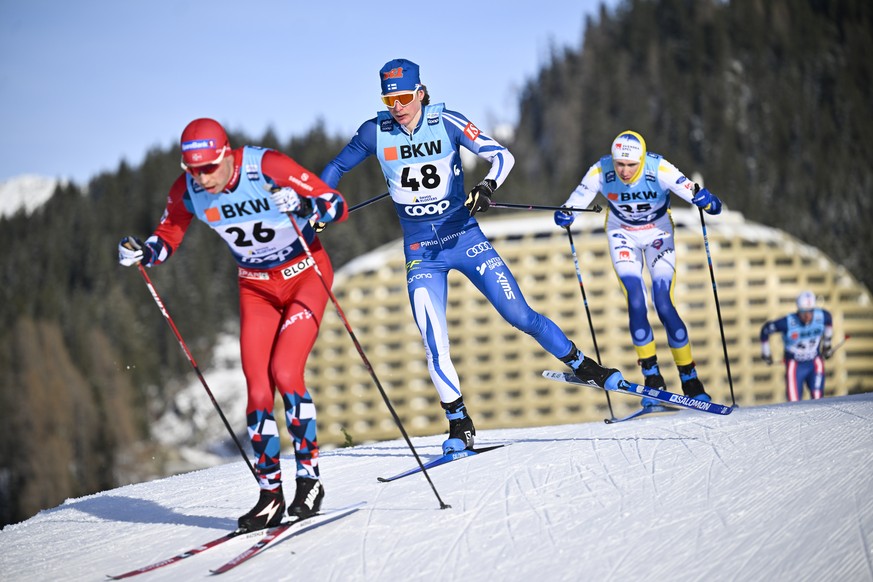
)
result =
(390, 154)
(213, 215)
(471, 131)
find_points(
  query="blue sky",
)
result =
(85, 84)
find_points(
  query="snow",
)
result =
(776, 492)
(27, 191)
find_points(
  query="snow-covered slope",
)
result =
(780, 492)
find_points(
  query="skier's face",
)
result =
(626, 169)
(214, 177)
(805, 316)
(406, 115)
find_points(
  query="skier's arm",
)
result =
(167, 236)
(581, 197)
(362, 145)
(313, 197)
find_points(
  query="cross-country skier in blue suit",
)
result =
(418, 146)
(806, 337)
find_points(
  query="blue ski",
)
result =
(442, 460)
(625, 387)
(642, 411)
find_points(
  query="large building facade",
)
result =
(758, 272)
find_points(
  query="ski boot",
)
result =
(691, 384)
(307, 500)
(461, 429)
(652, 378)
(267, 512)
(590, 371)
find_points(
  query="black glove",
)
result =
(827, 350)
(479, 198)
(768, 359)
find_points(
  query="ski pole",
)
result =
(588, 311)
(595, 208)
(370, 201)
(194, 365)
(727, 361)
(839, 345)
(367, 364)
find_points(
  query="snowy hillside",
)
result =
(27, 191)
(780, 492)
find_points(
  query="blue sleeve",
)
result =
(362, 145)
(463, 133)
(780, 325)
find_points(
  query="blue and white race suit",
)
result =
(426, 182)
(802, 346)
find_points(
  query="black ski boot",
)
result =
(461, 429)
(652, 378)
(588, 370)
(691, 384)
(307, 500)
(267, 512)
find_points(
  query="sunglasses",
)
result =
(404, 98)
(205, 169)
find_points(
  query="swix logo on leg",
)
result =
(504, 284)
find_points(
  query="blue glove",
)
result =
(707, 200)
(564, 219)
(131, 251)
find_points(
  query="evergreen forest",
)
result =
(769, 101)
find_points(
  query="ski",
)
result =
(296, 527)
(655, 408)
(442, 460)
(625, 387)
(179, 557)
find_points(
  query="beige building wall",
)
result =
(759, 272)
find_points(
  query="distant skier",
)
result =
(418, 146)
(637, 185)
(282, 299)
(806, 340)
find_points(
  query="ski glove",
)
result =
(131, 251)
(766, 354)
(564, 219)
(287, 200)
(707, 201)
(479, 198)
(827, 349)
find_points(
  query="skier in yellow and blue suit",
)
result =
(637, 185)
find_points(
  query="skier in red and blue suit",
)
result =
(249, 196)
(806, 342)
